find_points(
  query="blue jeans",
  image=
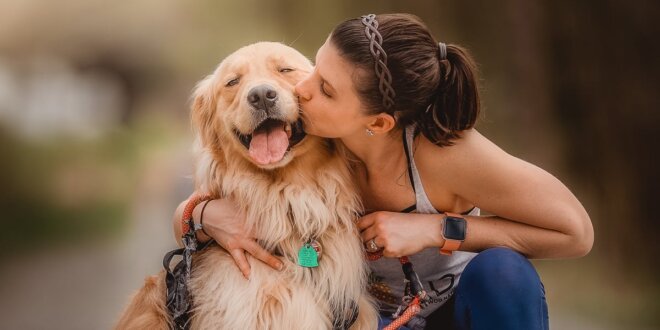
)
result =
(499, 289)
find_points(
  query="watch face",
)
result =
(454, 228)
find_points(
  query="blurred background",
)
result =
(95, 137)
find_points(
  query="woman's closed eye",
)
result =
(322, 88)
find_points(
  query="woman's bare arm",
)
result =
(224, 223)
(536, 214)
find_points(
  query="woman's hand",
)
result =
(401, 234)
(225, 224)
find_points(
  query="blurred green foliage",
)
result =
(64, 188)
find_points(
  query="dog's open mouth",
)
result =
(271, 140)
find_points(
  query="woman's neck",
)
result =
(378, 153)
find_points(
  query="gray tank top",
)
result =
(438, 273)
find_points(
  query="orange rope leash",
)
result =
(413, 308)
(411, 311)
(193, 201)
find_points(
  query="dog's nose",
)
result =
(262, 97)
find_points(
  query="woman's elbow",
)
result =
(582, 237)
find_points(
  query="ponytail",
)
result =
(455, 105)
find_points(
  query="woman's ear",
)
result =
(202, 110)
(382, 123)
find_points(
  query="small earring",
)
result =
(370, 132)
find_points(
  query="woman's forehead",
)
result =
(333, 68)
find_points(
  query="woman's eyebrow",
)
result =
(325, 82)
(328, 85)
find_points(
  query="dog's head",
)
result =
(247, 106)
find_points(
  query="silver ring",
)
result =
(372, 246)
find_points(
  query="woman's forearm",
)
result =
(400, 234)
(225, 223)
(485, 232)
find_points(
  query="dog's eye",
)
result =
(232, 82)
(285, 70)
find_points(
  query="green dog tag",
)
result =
(307, 256)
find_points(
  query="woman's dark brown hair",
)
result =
(440, 96)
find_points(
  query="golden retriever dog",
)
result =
(294, 188)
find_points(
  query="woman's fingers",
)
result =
(377, 239)
(241, 261)
(366, 221)
(372, 232)
(253, 248)
(368, 234)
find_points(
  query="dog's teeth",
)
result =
(287, 129)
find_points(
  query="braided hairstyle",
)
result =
(404, 72)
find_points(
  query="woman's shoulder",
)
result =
(470, 147)
(440, 167)
(471, 154)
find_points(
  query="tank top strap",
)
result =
(421, 200)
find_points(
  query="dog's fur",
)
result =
(308, 193)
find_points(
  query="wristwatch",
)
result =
(454, 228)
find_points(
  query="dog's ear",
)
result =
(202, 111)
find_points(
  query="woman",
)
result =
(404, 106)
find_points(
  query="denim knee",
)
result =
(499, 269)
(500, 287)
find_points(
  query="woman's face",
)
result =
(328, 97)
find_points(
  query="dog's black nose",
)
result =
(262, 97)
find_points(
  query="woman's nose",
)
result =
(301, 91)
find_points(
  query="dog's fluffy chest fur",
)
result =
(311, 200)
(251, 147)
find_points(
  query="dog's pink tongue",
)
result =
(268, 146)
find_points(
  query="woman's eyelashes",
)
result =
(323, 89)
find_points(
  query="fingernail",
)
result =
(280, 266)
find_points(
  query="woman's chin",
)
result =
(309, 129)
(318, 133)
